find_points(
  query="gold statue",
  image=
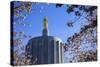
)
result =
(45, 23)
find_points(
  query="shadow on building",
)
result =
(45, 49)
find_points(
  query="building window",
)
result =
(45, 50)
(57, 51)
(61, 53)
(51, 51)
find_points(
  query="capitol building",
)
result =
(45, 49)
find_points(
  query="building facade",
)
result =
(45, 49)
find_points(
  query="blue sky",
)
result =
(57, 20)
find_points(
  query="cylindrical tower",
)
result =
(45, 49)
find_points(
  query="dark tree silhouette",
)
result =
(21, 11)
(83, 45)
